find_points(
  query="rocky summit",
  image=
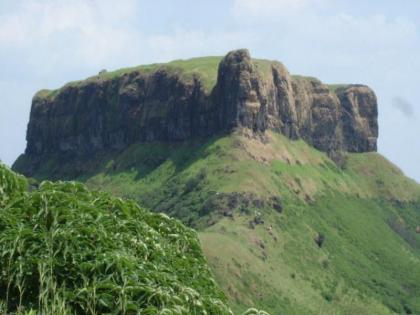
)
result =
(167, 102)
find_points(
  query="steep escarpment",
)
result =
(170, 103)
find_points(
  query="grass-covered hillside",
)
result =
(67, 250)
(282, 226)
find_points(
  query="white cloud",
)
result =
(92, 31)
(100, 34)
(304, 20)
(184, 43)
(262, 9)
(373, 32)
(318, 38)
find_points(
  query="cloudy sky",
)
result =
(46, 43)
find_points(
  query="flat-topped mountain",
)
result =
(200, 97)
(244, 152)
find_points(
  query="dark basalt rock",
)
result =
(359, 114)
(238, 93)
(344, 120)
(115, 113)
(112, 113)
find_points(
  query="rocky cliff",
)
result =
(166, 103)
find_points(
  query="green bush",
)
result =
(11, 185)
(65, 249)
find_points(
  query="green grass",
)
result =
(298, 77)
(335, 87)
(367, 210)
(331, 87)
(362, 268)
(204, 68)
(11, 185)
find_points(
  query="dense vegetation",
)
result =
(65, 249)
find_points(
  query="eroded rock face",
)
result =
(359, 114)
(344, 120)
(239, 93)
(112, 113)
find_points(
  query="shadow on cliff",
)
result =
(145, 158)
(142, 158)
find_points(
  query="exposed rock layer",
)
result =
(163, 105)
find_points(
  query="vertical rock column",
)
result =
(238, 95)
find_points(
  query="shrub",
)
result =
(11, 185)
(195, 181)
(65, 249)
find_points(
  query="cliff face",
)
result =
(162, 104)
(111, 114)
(302, 107)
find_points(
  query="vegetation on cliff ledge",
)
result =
(203, 67)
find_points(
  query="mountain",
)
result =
(66, 250)
(295, 211)
(185, 99)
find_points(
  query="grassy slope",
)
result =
(368, 212)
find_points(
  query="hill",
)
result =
(296, 212)
(283, 227)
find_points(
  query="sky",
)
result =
(46, 43)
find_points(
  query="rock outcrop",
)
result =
(107, 113)
(340, 120)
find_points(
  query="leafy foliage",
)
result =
(65, 249)
(10, 185)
